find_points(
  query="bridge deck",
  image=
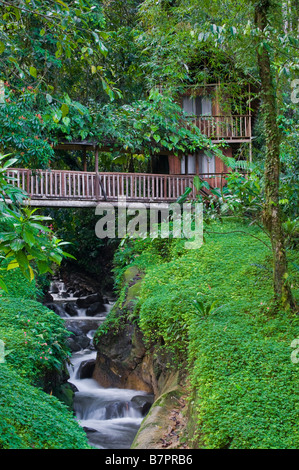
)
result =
(60, 188)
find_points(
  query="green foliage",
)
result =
(148, 126)
(22, 129)
(33, 339)
(39, 38)
(244, 381)
(32, 122)
(35, 334)
(32, 419)
(25, 242)
(243, 195)
(205, 310)
(210, 310)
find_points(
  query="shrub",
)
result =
(30, 418)
(36, 337)
(35, 353)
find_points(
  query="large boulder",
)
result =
(120, 361)
(76, 343)
(57, 308)
(80, 329)
(86, 369)
(95, 309)
(85, 302)
(117, 409)
(71, 309)
(143, 403)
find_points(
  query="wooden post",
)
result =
(249, 125)
(84, 160)
(28, 181)
(97, 179)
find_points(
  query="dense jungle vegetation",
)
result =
(228, 312)
(208, 311)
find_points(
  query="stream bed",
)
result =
(110, 417)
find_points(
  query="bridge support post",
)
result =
(97, 179)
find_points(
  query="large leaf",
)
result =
(183, 197)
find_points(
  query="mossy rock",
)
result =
(132, 294)
(155, 424)
(130, 274)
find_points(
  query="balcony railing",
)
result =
(87, 186)
(225, 127)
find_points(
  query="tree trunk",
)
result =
(271, 212)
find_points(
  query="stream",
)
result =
(110, 417)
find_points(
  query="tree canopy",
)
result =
(112, 71)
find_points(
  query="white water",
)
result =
(107, 414)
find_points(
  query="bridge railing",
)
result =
(79, 185)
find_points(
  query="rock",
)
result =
(78, 339)
(117, 409)
(48, 298)
(86, 369)
(57, 308)
(95, 309)
(54, 288)
(87, 429)
(70, 290)
(80, 293)
(83, 325)
(73, 328)
(84, 302)
(83, 341)
(119, 360)
(73, 387)
(71, 309)
(73, 345)
(155, 425)
(143, 403)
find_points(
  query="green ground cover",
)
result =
(34, 344)
(211, 310)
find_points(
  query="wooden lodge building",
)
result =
(216, 115)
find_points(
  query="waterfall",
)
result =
(110, 417)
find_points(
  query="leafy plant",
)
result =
(3, 353)
(26, 243)
(203, 309)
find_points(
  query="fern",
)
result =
(237, 164)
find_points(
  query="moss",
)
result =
(238, 354)
(130, 273)
(154, 426)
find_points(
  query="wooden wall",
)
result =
(220, 167)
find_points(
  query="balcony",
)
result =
(230, 128)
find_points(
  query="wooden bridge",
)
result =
(60, 188)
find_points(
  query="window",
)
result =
(199, 163)
(197, 106)
(206, 106)
(192, 106)
(206, 164)
(188, 165)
